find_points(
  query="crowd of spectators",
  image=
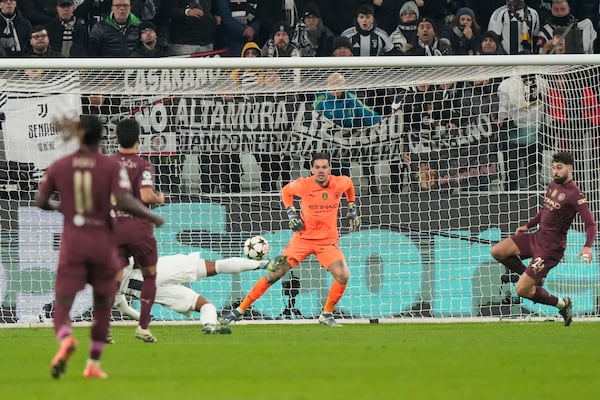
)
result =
(306, 28)
(315, 28)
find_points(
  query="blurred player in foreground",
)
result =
(172, 272)
(316, 232)
(546, 246)
(85, 181)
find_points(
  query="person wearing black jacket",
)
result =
(117, 34)
(312, 37)
(15, 30)
(68, 34)
(150, 45)
(192, 26)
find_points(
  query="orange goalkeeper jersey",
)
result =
(319, 206)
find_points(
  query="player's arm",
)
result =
(522, 229)
(123, 306)
(45, 202)
(149, 196)
(126, 202)
(352, 214)
(533, 222)
(43, 195)
(287, 197)
(147, 192)
(591, 230)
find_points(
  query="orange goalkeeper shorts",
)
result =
(298, 249)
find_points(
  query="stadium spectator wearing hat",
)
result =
(490, 44)
(311, 36)
(428, 43)
(341, 47)
(463, 33)
(150, 44)
(68, 33)
(280, 44)
(405, 35)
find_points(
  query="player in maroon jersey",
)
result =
(84, 181)
(546, 246)
(135, 236)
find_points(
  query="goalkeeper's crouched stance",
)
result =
(172, 272)
(315, 232)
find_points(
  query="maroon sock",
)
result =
(100, 329)
(147, 300)
(542, 296)
(515, 264)
(61, 320)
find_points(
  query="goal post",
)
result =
(448, 154)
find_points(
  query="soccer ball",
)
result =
(256, 248)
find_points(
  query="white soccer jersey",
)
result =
(376, 43)
(510, 28)
(171, 273)
(588, 35)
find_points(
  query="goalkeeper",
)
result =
(316, 232)
(172, 273)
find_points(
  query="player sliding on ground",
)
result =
(172, 272)
(546, 246)
(315, 232)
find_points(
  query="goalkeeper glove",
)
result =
(295, 222)
(353, 217)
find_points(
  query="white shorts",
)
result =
(172, 273)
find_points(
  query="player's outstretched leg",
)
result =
(58, 366)
(567, 311)
(208, 318)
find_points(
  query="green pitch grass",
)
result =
(540, 360)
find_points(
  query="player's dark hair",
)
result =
(563, 157)
(92, 130)
(320, 156)
(128, 132)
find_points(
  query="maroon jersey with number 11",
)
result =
(85, 182)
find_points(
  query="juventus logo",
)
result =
(43, 110)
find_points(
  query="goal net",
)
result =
(449, 155)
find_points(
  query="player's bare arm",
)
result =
(521, 229)
(149, 196)
(126, 202)
(46, 203)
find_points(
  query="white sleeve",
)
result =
(122, 305)
(495, 24)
